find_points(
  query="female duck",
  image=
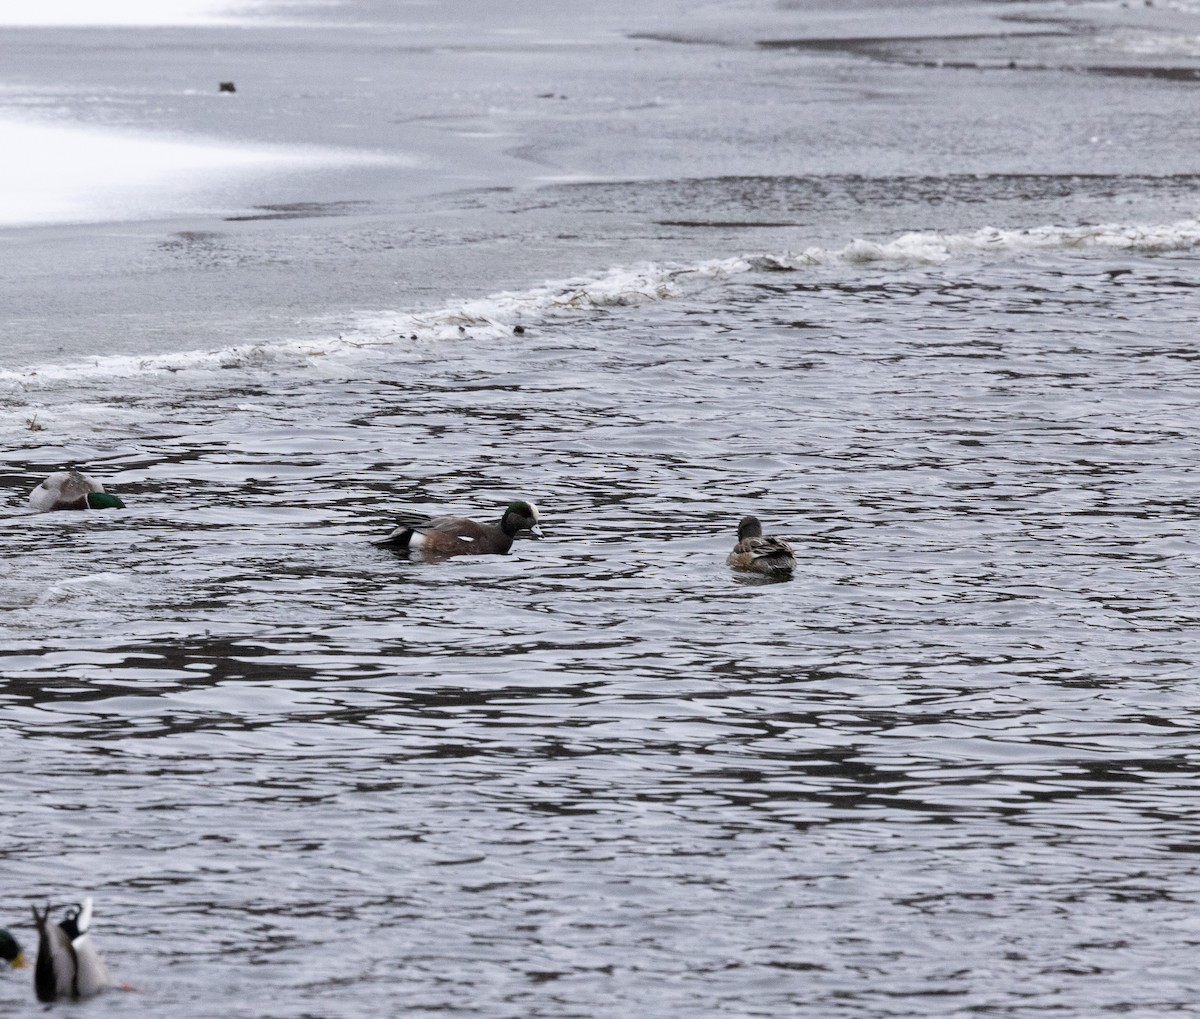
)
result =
(71, 490)
(68, 965)
(770, 556)
(437, 537)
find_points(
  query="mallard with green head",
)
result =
(74, 491)
(10, 950)
(68, 966)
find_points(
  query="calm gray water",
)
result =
(947, 770)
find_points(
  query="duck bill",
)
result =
(536, 531)
(19, 962)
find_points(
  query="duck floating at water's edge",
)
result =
(74, 491)
(756, 553)
(437, 537)
(68, 965)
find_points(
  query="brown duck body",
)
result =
(768, 555)
(438, 537)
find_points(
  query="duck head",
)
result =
(10, 950)
(521, 516)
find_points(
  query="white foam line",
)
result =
(937, 248)
(497, 316)
(494, 316)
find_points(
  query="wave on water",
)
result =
(502, 314)
(938, 248)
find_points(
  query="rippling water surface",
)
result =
(946, 770)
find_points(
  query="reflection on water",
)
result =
(946, 770)
(86, 175)
(121, 12)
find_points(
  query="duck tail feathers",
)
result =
(773, 555)
(55, 970)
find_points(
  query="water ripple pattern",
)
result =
(947, 770)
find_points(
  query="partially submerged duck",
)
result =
(10, 950)
(68, 965)
(437, 537)
(768, 555)
(74, 491)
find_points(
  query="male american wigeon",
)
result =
(71, 490)
(446, 536)
(770, 556)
